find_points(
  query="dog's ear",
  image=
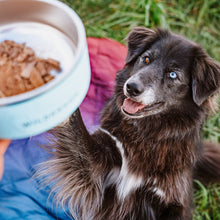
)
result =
(206, 77)
(137, 41)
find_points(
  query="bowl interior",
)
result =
(51, 28)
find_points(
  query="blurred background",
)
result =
(198, 20)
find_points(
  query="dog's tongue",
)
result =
(131, 106)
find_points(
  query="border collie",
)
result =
(141, 163)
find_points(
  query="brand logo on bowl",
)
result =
(51, 114)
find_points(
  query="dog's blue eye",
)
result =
(173, 75)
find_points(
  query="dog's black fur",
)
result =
(140, 164)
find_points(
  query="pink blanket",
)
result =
(106, 59)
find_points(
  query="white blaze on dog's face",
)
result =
(147, 95)
(164, 72)
(134, 103)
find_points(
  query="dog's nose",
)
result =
(134, 89)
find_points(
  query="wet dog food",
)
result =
(21, 70)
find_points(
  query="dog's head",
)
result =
(164, 71)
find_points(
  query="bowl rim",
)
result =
(79, 50)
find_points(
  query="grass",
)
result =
(198, 20)
(207, 202)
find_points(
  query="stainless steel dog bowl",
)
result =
(53, 30)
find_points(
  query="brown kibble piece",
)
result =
(48, 77)
(21, 70)
(28, 85)
(28, 51)
(35, 78)
(26, 70)
(1, 94)
(54, 63)
(41, 68)
(3, 60)
(20, 84)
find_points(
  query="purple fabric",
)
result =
(106, 59)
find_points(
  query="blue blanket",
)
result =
(21, 196)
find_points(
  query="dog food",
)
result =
(21, 70)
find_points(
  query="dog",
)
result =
(141, 162)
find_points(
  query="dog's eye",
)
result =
(147, 60)
(173, 75)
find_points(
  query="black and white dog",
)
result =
(141, 162)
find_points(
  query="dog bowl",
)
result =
(52, 30)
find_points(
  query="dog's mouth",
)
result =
(136, 109)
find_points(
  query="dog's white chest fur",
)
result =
(125, 181)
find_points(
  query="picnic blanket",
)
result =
(21, 195)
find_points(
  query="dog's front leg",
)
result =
(79, 166)
(79, 131)
(100, 147)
